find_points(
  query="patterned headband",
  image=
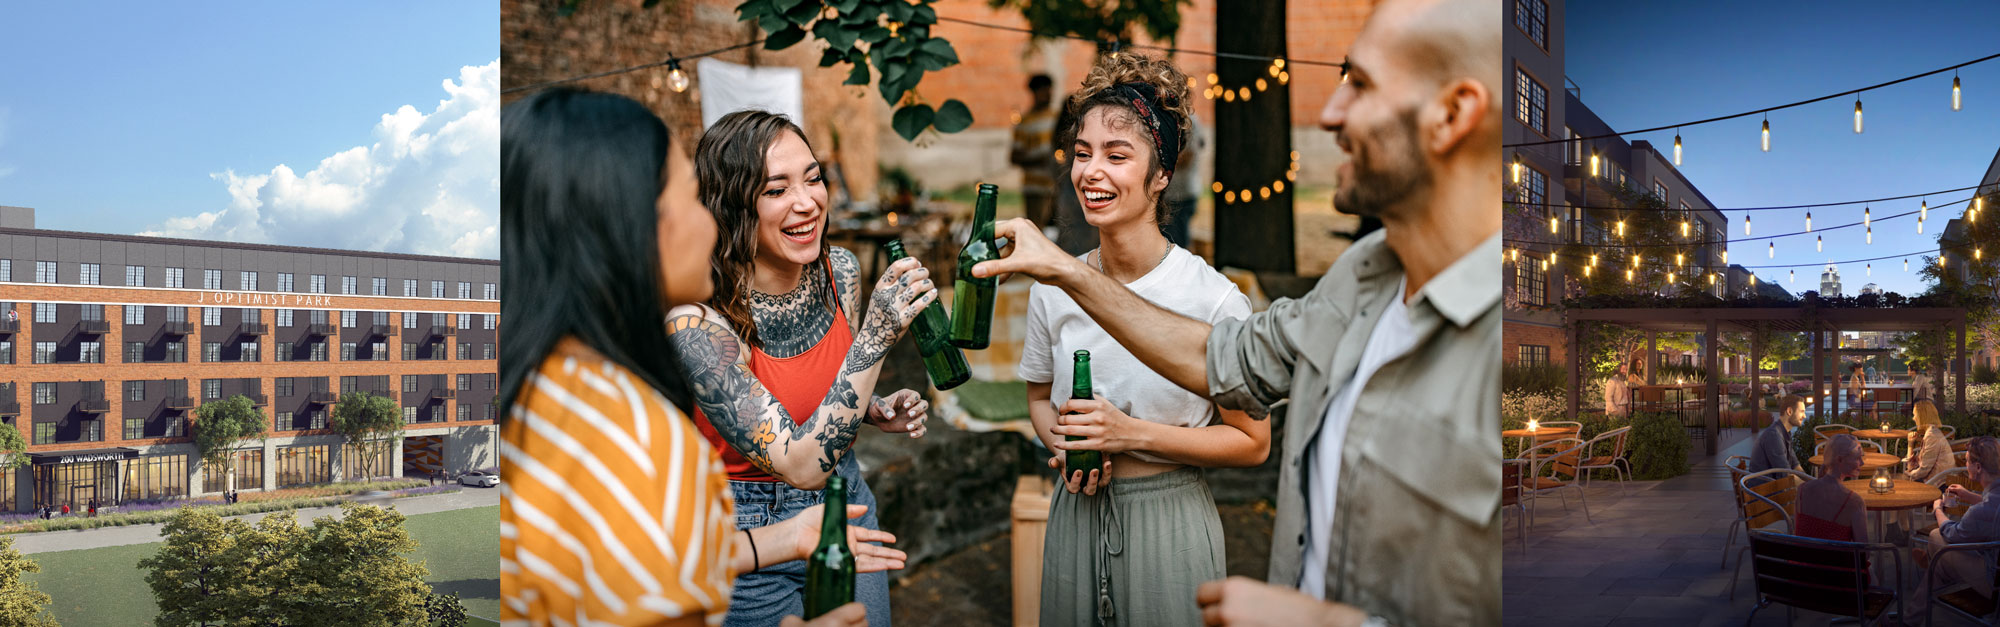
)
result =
(1145, 99)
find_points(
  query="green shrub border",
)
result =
(74, 522)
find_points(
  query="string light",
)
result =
(1621, 228)
(1920, 226)
(1793, 276)
(677, 80)
(1746, 225)
(1767, 132)
(1866, 216)
(1725, 255)
(1871, 269)
(1774, 250)
(1677, 137)
(1808, 221)
(1857, 114)
(1954, 90)
(1593, 163)
(1684, 228)
(1517, 168)
(1819, 243)
(1906, 264)
(1586, 272)
(1635, 261)
(1711, 278)
(1924, 210)
(1670, 278)
(1679, 260)
(1628, 276)
(1871, 234)
(1552, 224)
(1593, 260)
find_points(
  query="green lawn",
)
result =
(105, 586)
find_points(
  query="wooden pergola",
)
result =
(1820, 323)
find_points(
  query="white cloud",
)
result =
(429, 184)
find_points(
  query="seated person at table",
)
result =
(1774, 443)
(1981, 523)
(1618, 392)
(1827, 509)
(1930, 450)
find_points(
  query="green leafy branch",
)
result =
(892, 37)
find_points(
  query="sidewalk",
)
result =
(70, 540)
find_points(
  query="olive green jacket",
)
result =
(1416, 523)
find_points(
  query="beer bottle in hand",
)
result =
(830, 568)
(971, 296)
(1079, 388)
(943, 361)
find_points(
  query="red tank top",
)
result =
(799, 383)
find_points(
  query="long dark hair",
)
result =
(580, 178)
(729, 162)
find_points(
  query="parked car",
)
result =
(480, 479)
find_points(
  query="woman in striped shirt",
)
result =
(616, 511)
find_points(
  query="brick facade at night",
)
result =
(103, 362)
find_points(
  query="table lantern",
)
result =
(1885, 427)
(1531, 424)
(1880, 484)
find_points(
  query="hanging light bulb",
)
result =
(1516, 253)
(1865, 216)
(1586, 272)
(1628, 276)
(1940, 260)
(1679, 259)
(1871, 234)
(1819, 243)
(1553, 256)
(1684, 228)
(1774, 250)
(1954, 90)
(1517, 168)
(1871, 269)
(1767, 132)
(1670, 278)
(1545, 265)
(1857, 114)
(1746, 225)
(677, 80)
(1924, 210)
(1711, 278)
(1635, 261)
(1920, 226)
(1808, 221)
(1677, 140)
(1906, 264)
(1552, 224)
(1791, 276)
(1593, 163)
(1593, 260)
(1621, 228)
(1725, 256)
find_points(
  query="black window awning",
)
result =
(89, 455)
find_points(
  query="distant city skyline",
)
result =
(1640, 65)
(280, 124)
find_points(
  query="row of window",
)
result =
(45, 313)
(92, 352)
(135, 276)
(211, 389)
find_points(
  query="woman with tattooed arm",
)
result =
(782, 364)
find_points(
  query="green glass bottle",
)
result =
(943, 361)
(971, 296)
(830, 568)
(1079, 388)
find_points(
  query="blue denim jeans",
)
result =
(763, 598)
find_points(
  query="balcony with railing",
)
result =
(94, 406)
(9, 327)
(443, 394)
(94, 327)
(322, 398)
(177, 328)
(258, 399)
(443, 330)
(319, 329)
(180, 402)
(10, 409)
(254, 328)
(381, 330)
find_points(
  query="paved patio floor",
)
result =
(1650, 555)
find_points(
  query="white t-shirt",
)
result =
(1391, 338)
(1057, 328)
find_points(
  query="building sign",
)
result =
(279, 300)
(85, 457)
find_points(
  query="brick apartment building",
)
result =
(109, 342)
(1557, 181)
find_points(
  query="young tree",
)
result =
(13, 449)
(21, 603)
(213, 571)
(353, 571)
(370, 424)
(220, 425)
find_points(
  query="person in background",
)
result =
(1618, 391)
(1774, 443)
(1034, 151)
(1185, 188)
(1387, 371)
(616, 511)
(1981, 523)
(1857, 385)
(1930, 450)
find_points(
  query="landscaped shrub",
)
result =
(1534, 379)
(162, 511)
(1658, 447)
(1983, 374)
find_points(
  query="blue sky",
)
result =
(1646, 64)
(143, 117)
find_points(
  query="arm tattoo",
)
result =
(846, 274)
(879, 332)
(743, 412)
(793, 322)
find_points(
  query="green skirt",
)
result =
(1135, 554)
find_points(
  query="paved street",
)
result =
(51, 541)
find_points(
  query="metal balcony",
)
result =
(443, 330)
(10, 327)
(177, 328)
(10, 408)
(441, 394)
(93, 327)
(322, 398)
(258, 399)
(381, 330)
(93, 406)
(319, 330)
(254, 328)
(180, 402)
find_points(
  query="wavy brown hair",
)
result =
(729, 163)
(1168, 82)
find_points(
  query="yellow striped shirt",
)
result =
(614, 510)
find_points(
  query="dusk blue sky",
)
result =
(1646, 64)
(253, 121)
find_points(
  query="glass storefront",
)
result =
(76, 484)
(370, 460)
(301, 465)
(249, 466)
(156, 477)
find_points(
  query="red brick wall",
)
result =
(1515, 334)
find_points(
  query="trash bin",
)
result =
(1030, 522)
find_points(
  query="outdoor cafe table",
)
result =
(1680, 404)
(1893, 435)
(1904, 494)
(1869, 461)
(1540, 432)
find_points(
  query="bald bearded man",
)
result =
(1388, 497)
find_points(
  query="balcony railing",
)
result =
(94, 327)
(322, 398)
(9, 327)
(180, 402)
(258, 399)
(254, 328)
(177, 328)
(321, 330)
(10, 408)
(381, 330)
(94, 406)
(441, 394)
(443, 330)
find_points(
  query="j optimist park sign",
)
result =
(263, 299)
